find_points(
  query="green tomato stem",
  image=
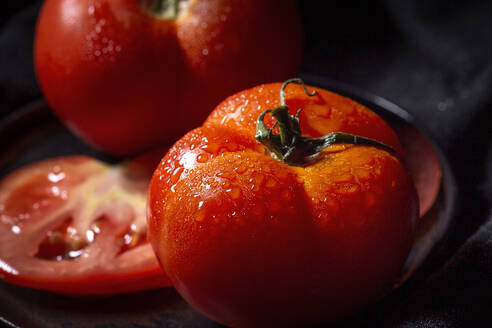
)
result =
(166, 9)
(290, 146)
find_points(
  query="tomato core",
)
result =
(165, 9)
(64, 242)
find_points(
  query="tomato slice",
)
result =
(423, 164)
(75, 225)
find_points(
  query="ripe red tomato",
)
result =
(253, 242)
(74, 225)
(128, 75)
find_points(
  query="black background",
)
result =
(433, 58)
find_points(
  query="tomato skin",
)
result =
(253, 242)
(37, 200)
(126, 81)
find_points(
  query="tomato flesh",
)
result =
(77, 226)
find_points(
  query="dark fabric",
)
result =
(433, 58)
(17, 80)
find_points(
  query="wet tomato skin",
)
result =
(251, 241)
(127, 81)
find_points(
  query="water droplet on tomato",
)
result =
(257, 182)
(16, 229)
(202, 158)
(89, 235)
(211, 148)
(271, 183)
(235, 193)
(200, 216)
(176, 175)
(241, 169)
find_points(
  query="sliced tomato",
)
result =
(423, 164)
(75, 225)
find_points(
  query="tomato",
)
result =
(252, 241)
(74, 225)
(130, 75)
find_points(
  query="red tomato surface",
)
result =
(126, 81)
(253, 242)
(74, 225)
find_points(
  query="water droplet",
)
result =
(271, 183)
(202, 158)
(241, 169)
(226, 185)
(54, 177)
(89, 235)
(211, 148)
(235, 193)
(176, 175)
(257, 183)
(200, 216)
(225, 175)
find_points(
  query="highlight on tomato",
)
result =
(121, 73)
(74, 225)
(290, 210)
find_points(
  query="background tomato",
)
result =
(253, 242)
(126, 78)
(74, 225)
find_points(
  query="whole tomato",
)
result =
(129, 75)
(302, 229)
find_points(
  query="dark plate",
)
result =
(33, 133)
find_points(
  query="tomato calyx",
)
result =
(290, 146)
(165, 9)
